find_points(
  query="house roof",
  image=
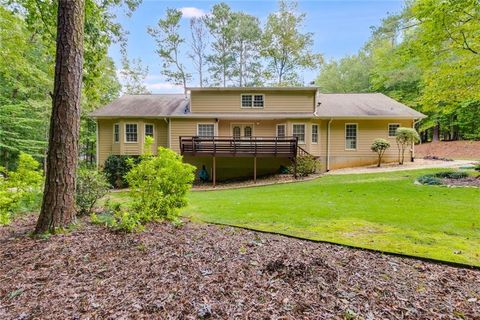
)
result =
(145, 105)
(247, 89)
(362, 105)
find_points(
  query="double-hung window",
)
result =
(149, 130)
(116, 133)
(351, 136)
(392, 129)
(253, 100)
(206, 130)
(131, 132)
(299, 132)
(314, 133)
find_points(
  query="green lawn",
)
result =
(382, 211)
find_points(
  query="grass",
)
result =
(381, 211)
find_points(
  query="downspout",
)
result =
(328, 144)
(169, 140)
(97, 151)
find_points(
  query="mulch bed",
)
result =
(202, 271)
(465, 182)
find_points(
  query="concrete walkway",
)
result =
(418, 164)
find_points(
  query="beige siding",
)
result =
(184, 127)
(229, 101)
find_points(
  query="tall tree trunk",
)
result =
(436, 133)
(58, 206)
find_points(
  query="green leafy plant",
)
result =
(116, 167)
(405, 137)
(451, 174)
(118, 219)
(429, 179)
(380, 146)
(91, 186)
(306, 165)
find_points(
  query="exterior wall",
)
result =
(367, 131)
(185, 127)
(106, 145)
(230, 101)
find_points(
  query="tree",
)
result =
(133, 75)
(285, 47)
(221, 25)
(169, 43)
(198, 46)
(380, 146)
(58, 206)
(405, 137)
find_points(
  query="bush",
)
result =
(451, 174)
(306, 165)
(91, 186)
(20, 190)
(116, 167)
(380, 146)
(118, 219)
(477, 167)
(405, 137)
(429, 179)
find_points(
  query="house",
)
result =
(236, 132)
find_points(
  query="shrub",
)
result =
(118, 219)
(380, 146)
(451, 174)
(91, 186)
(159, 185)
(20, 190)
(477, 167)
(429, 179)
(116, 167)
(405, 137)
(306, 165)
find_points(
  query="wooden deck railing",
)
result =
(239, 147)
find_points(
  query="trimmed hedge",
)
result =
(116, 167)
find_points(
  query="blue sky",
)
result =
(339, 27)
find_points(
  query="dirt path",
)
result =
(205, 271)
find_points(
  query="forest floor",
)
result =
(206, 271)
(450, 149)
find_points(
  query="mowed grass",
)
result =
(381, 211)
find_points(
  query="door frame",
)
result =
(242, 125)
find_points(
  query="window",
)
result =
(149, 130)
(236, 132)
(131, 132)
(281, 130)
(299, 132)
(351, 136)
(252, 100)
(247, 131)
(206, 130)
(392, 129)
(116, 133)
(314, 133)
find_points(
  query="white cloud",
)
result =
(192, 12)
(164, 87)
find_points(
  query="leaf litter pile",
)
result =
(205, 271)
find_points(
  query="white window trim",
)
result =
(304, 132)
(207, 123)
(241, 125)
(345, 136)
(388, 129)
(125, 132)
(116, 124)
(253, 99)
(145, 130)
(318, 133)
(281, 124)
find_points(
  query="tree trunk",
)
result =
(436, 133)
(58, 206)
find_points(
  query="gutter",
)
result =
(328, 144)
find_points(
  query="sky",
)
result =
(339, 27)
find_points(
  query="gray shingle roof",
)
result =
(146, 105)
(358, 105)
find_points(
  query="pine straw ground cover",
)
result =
(202, 271)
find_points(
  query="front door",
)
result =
(242, 131)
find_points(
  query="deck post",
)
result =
(255, 169)
(214, 175)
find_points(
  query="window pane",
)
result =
(206, 130)
(116, 133)
(247, 132)
(281, 131)
(351, 136)
(131, 132)
(236, 132)
(258, 101)
(392, 129)
(247, 101)
(149, 130)
(314, 133)
(299, 131)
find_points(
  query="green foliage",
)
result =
(380, 146)
(20, 190)
(306, 165)
(159, 185)
(116, 167)
(405, 137)
(118, 219)
(91, 186)
(429, 179)
(451, 174)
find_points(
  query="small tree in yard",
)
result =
(380, 146)
(405, 137)
(91, 186)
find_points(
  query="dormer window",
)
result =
(253, 100)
